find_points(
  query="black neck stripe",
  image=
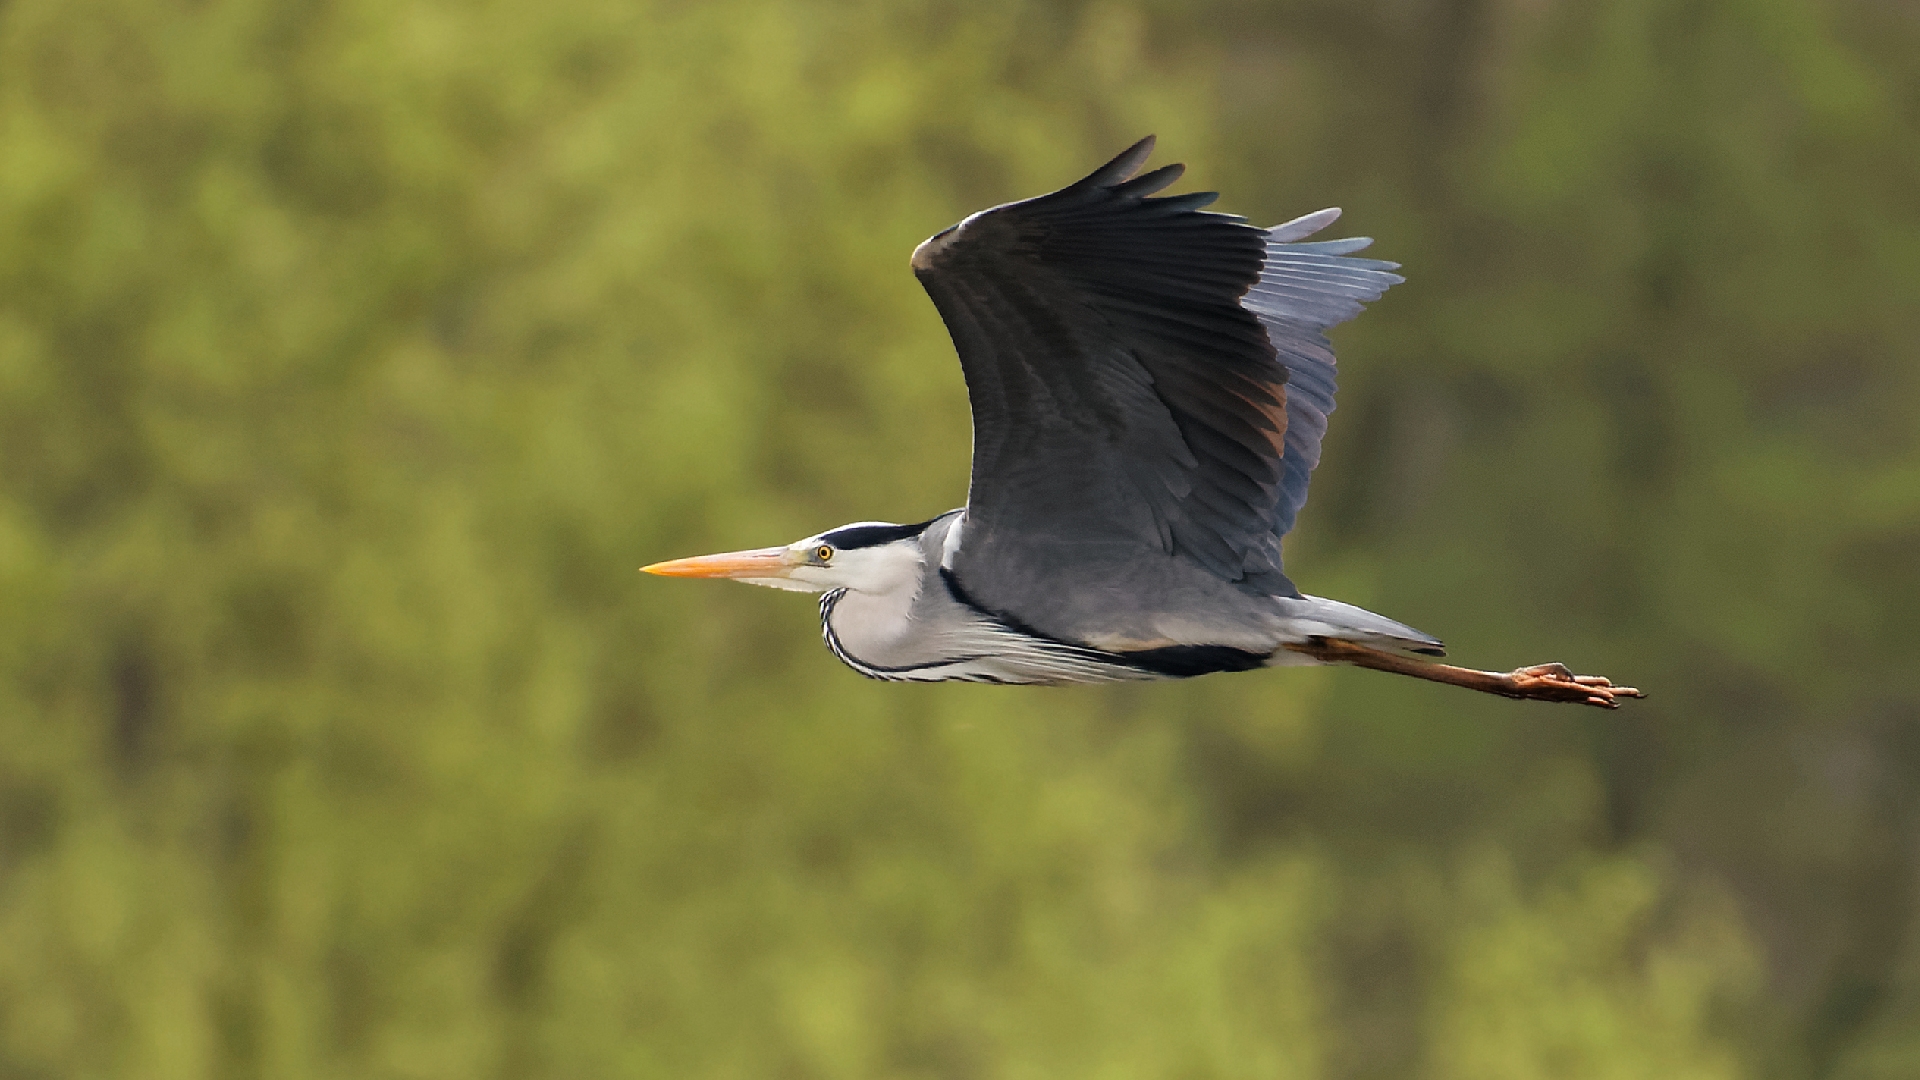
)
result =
(883, 672)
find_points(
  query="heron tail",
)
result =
(1307, 617)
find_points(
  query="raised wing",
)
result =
(1127, 360)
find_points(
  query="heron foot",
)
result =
(1554, 682)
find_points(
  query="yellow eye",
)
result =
(823, 553)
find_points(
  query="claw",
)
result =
(1555, 682)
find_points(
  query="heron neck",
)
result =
(900, 621)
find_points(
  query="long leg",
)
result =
(1542, 682)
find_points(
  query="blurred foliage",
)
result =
(352, 355)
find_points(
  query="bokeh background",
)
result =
(353, 354)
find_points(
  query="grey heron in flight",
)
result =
(1150, 382)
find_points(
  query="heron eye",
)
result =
(823, 553)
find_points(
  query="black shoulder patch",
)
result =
(1186, 661)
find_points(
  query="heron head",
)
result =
(866, 556)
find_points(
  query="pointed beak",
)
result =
(773, 562)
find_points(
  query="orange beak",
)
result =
(773, 562)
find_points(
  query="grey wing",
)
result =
(1131, 407)
(1304, 288)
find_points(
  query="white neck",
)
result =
(882, 584)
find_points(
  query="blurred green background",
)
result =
(353, 355)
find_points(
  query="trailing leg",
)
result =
(1541, 682)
